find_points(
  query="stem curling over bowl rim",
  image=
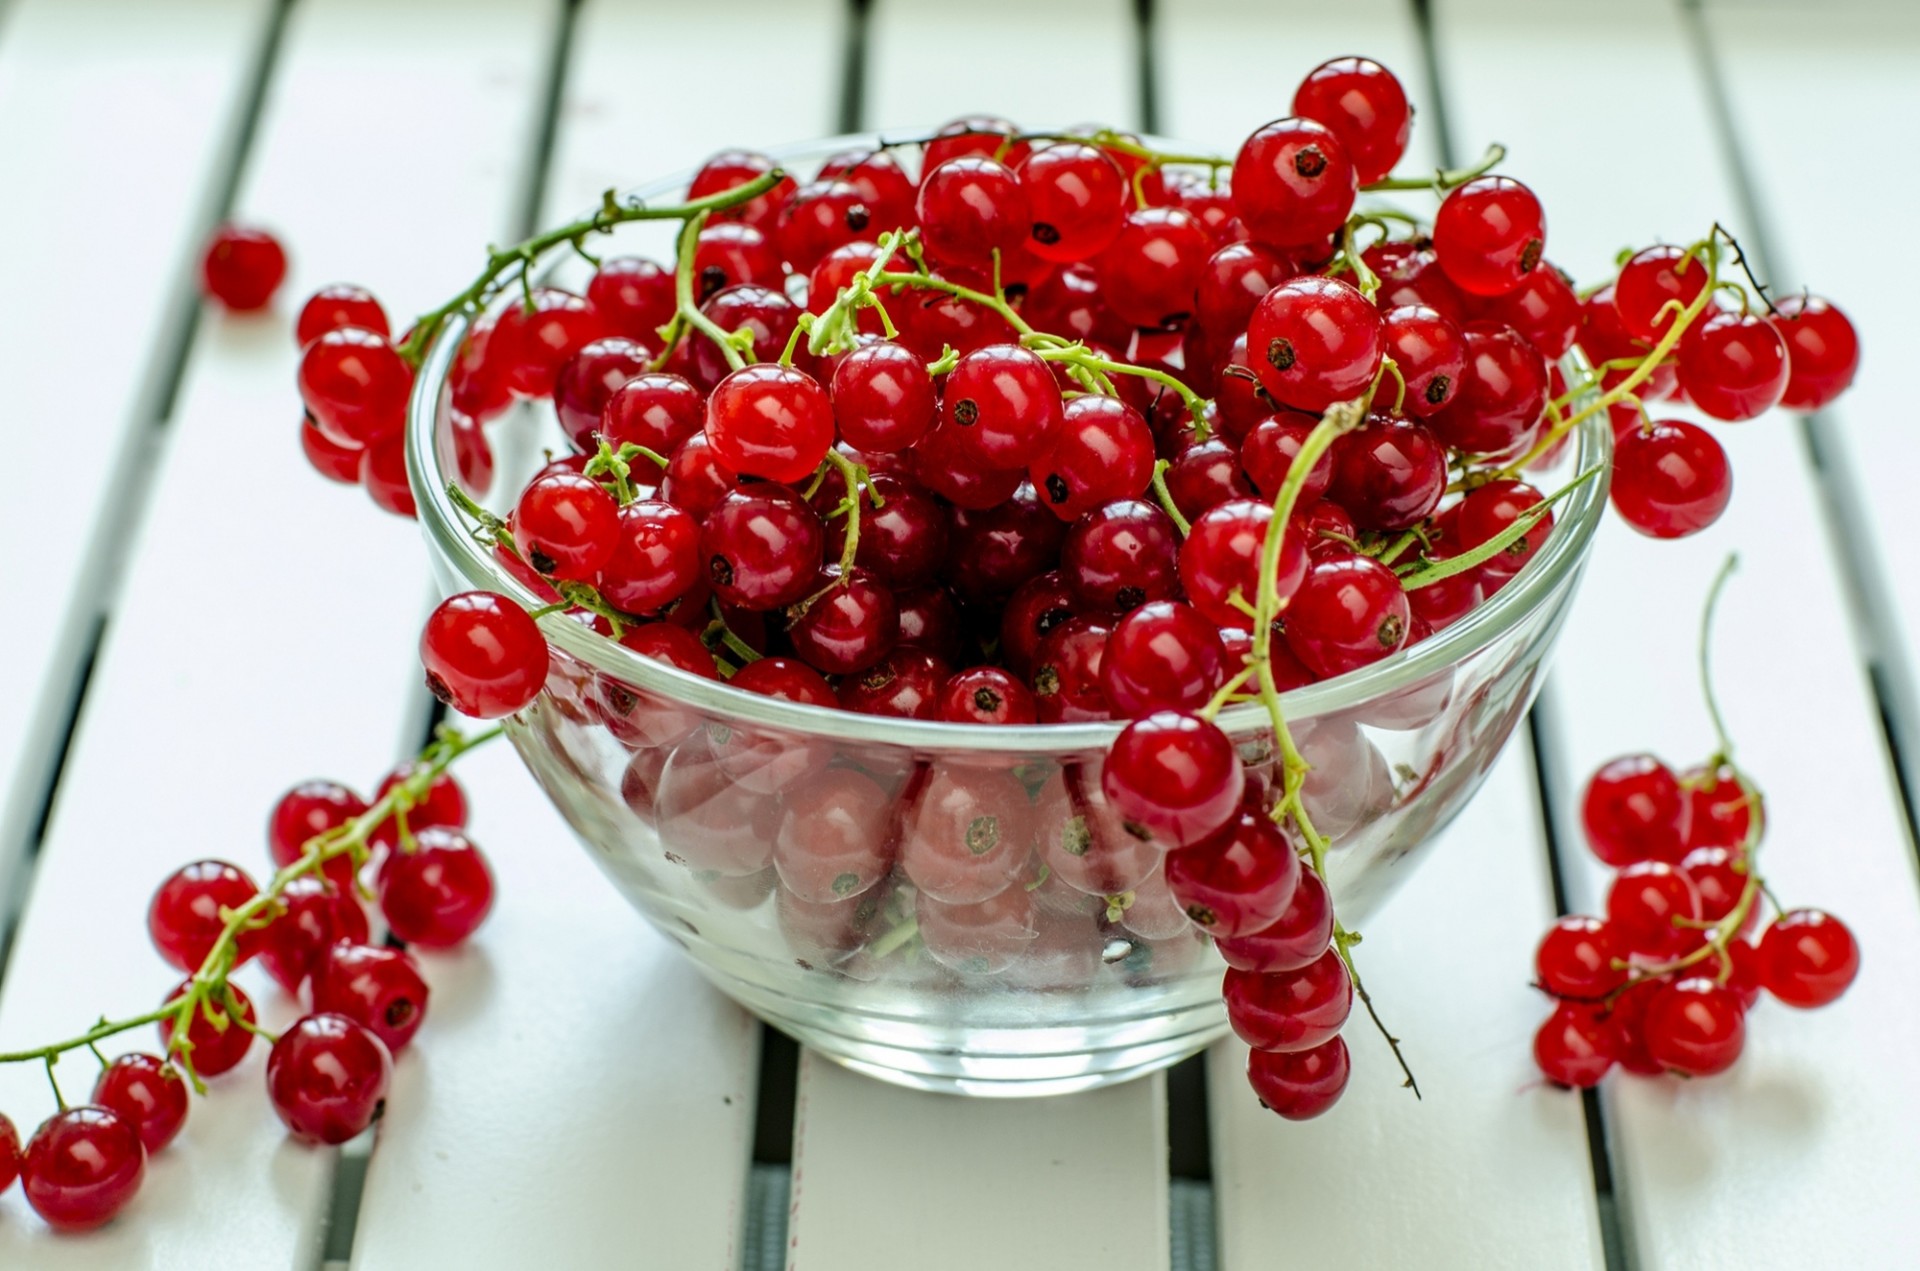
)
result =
(447, 535)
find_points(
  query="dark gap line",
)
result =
(1146, 25)
(853, 75)
(1549, 770)
(777, 1099)
(1189, 1138)
(343, 1208)
(1857, 556)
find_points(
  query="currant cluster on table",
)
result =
(1059, 428)
(1664, 982)
(327, 1073)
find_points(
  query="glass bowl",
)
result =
(685, 791)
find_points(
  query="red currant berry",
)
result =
(1066, 673)
(762, 545)
(945, 463)
(771, 421)
(1211, 202)
(147, 1093)
(566, 525)
(1501, 395)
(81, 1168)
(1121, 556)
(383, 471)
(377, 988)
(314, 913)
(1149, 274)
(444, 802)
(905, 684)
(1315, 341)
(1575, 959)
(1350, 612)
(695, 479)
(819, 217)
(1718, 876)
(883, 398)
(655, 410)
(9, 1153)
(1294, 940)
(478, 380)
(309, 809)
(1040, 605)
(1162, 656)
(1300, 1085)
(355, 386)
(212, 1048)
(1222, 555)
(1633, 811)
(985, 695)
(339, 305)
(1076, 198)
(1808, 958)
(1293, 183)
(1733, 366)
(1410, 274)
(1742, 963)
(1069, 302)
(534, 343)
(1205, 475)
(1366, 108)
(438, 894)
(1543, 309)
(965, 833)
(483, 655)
(969, 208)
(1268, 452)
(589, 380)
(730, 254)
(329, 458)
(1489, 234)
(1177, 778)
(188, 913)
(848, 626)
(991, 553)
(1430, 352)
(633, 296)
(1002, 405)
(1575, 1046)
(903, 542)
(1388, 473)
(1720, 809)
(1647, 905)
(656, 560)
(1650, 282)
(1238, 880)
(1492, 509)
(1289, 1010)
(1696, 1027)
(1102, 452)
(833, 841)
(327, 1078)
(1823, 351)
(1232, 282)
(243, 268)
(882, 183)
(731, 169)
(1670, 479)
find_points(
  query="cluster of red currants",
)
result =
(1067, 428)
(1664, 982)
(327, 1073)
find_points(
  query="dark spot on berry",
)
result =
(1309, 161)
(712, 279)
(1437, 389)
(720, 569)
(1075, 837)
(618, 698)
(1057, 488)
(1391, 629)
(858, 217)
(1046, 680)
(541, 562)
(399, 1012)
(1130, 597)
(1280, 353)
(1174, 321)
(878, 678)
(1530, 255)
(986, 701)
(846, 884)
(1138, 831)
(1045, 233)
(1051, 618)
(1202, 915)
(438, 687)
(966, 412)
(1519, 546)
(983, 835)
(1015, 291)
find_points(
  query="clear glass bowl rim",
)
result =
(1578, 516)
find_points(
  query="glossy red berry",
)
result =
(378, 988)
(1300, 1085)
(1350, 612)
(532, 344)
(731, 169)
(383, 471)
(483, 655)
(335, 306)
(1695, 1027)
(762, 545)
(1162, 656)
(9, 1153)
(566, 525)
(1718, 876)
(656, 410)
(589, 380)
(1720, 809)
(1102, 452)
(1544, 309)
(1205, 475)
(1823, 351)
(1268, 452)
(1289, 1010)
(882, 183)
(1175, 776)
(1222, 555)
(1066, 673)
(81, 1168)
(985, 695)
(438, 894)
(1670, 478)
(329, 458)
(1648, 906)
(213, 1048)
(731, 254)
(327, 1078)
(1149, 274)
(186, 916)
(1490, 511)
(1232, 282)
(1733, 366)
(945, 463)
(1315, 341)
(1502, 393)
(883, 398)
(1489, 234)
(355, 385)
(1293, 183)
(905, 684)
(313, 914)
(970, 207)
(1653, 286)
(1575, 1046)
(1238, 880)
(243, 267)
(820, 216)
(147, 1093)
(903, 542)
(1120, 556)
(1388, 473)
(849, 624)
(656, 559)
(834, 839)
(309, 809)
(1575, 959)
(1430, 352)
(1808, 958)
(1076, 198)
(974, 135)
(1293, 940)
(1365, 106)
(1002, 405)
(1633, 811)
(633, 296)
(695, 479)
(1410, 274)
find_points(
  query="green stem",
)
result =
(1443, 180)
(1165, 496)
(1430, 572)
(1724, 743)
(1077, 354)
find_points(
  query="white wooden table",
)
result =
(192, 621)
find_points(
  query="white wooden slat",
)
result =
(1485, 1139)
(1075, 1181)
(971, 1183)
(1040, 65)
(582, 1098)
(266, 628)
(114, 119)
(1802, 1153)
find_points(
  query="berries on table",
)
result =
(147, 1093)
(483, 655)
(378, 988)
(437, 894)
(81, 1168)
(327, 1078)
(189, 911)
(243, 268)
(1808, 958)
